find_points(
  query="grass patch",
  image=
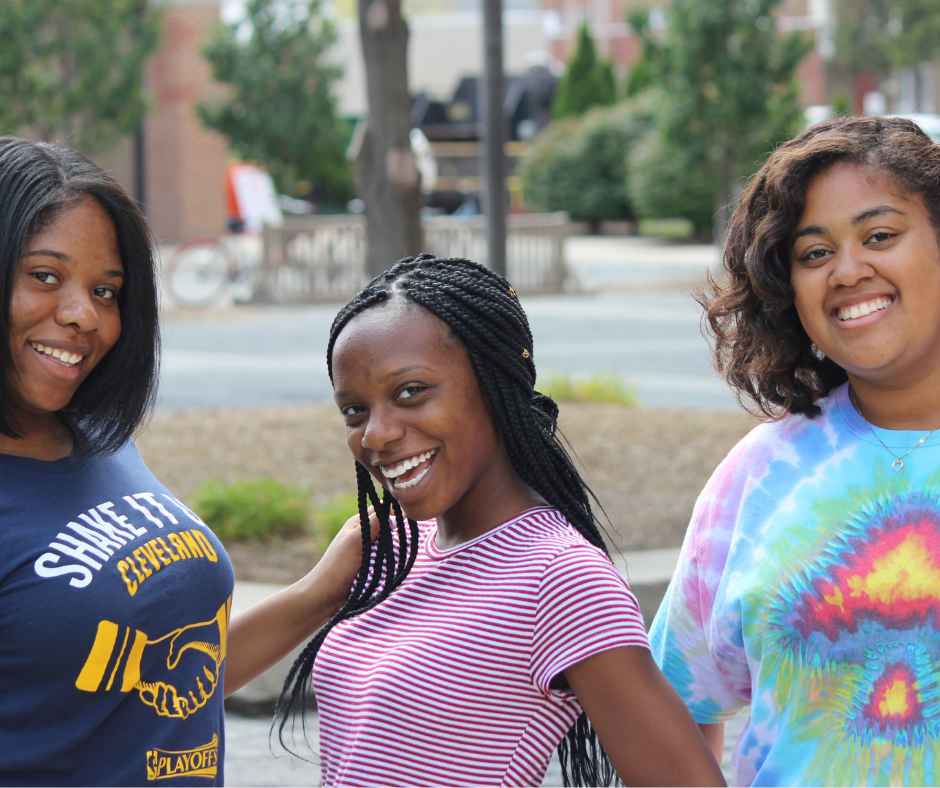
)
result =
(666, 228)
(601, 387)
(329, 517)
(260, 509)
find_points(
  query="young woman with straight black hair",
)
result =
(115, 639)
(488, 617)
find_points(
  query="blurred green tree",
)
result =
(579, 165)
(644, 71)
(668, 182)
(729, 96)
(874, 35)
(72, 70)
(587, 82)
(280, 107)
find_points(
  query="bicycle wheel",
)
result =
(198, 272)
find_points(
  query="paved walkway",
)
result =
(634, 318)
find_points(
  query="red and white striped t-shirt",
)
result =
(447, 681)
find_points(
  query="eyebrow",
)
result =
(64, 258)
(390, 376)
(881, 210)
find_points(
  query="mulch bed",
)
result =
(645, 466)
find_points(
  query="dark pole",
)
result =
(494, 202)
(140, 168)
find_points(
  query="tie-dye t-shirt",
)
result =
(809, 587)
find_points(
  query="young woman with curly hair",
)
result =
(809, 581)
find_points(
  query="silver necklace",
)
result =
(898, 461)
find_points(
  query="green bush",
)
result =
(664, 183)
(579, 165)
(329, 517)
(587, 81)
(603, 387)
(665, 228)
(262, 509)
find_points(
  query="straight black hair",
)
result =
(483, 313)
(38, 181)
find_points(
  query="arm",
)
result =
(714, 734)
(645, 728)
(270, 629)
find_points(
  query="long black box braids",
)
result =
(484, 313)
(381, 570)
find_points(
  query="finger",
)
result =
(373, 523)
(353, 526)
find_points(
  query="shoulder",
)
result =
(542, 538)
(762, 469)
(544, 527)
(568, 561)
(793, 439)
(124, 462)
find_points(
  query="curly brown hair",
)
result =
(760, 346)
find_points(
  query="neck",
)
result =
(41, 438)
(915, 407)
(499, 497)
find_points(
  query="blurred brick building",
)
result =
(174, 166)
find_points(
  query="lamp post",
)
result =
(494, 159)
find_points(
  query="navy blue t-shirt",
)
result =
(114, 605)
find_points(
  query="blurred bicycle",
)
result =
(204, 271)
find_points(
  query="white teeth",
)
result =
(411, 482)
(861, 310)
(405, 466)
(62, 355)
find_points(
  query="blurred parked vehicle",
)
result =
(929, 122)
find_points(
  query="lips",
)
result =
(404, 474)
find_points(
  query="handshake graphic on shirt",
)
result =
(183, 666)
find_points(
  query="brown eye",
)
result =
(814, 255)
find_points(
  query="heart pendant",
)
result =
(897, 465)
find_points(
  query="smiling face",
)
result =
(418, 420)
(865, 270)
(64, 314)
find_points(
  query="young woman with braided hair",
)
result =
(488, 615)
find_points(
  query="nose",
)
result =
(77, 309)
(850, 267)
(381, 430)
